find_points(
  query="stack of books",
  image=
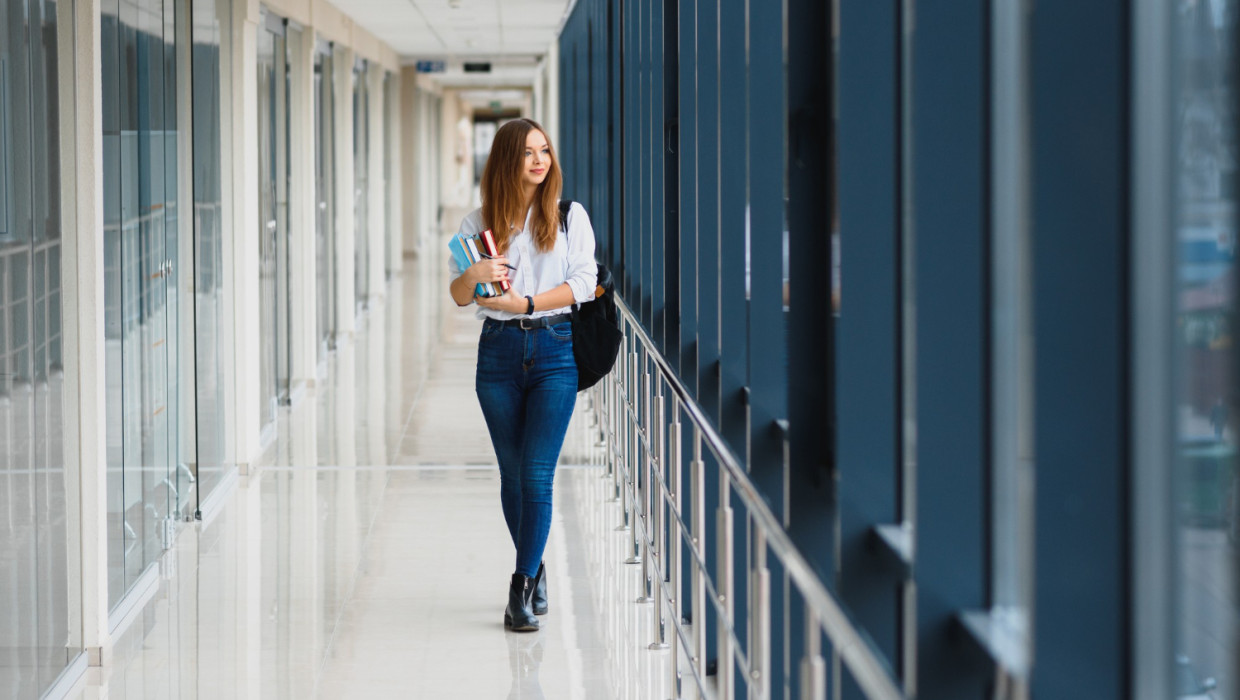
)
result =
(468, 250)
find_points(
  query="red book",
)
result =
(488, 244)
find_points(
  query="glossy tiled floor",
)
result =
(368, 557)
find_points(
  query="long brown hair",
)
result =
(503, 198)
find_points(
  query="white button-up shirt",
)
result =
(571, 261)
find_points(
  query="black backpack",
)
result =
(596, 325)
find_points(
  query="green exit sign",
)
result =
(496, 105)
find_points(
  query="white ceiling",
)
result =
(453, 30)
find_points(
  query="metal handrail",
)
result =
(635, 440)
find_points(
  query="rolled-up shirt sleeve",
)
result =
(582, 275)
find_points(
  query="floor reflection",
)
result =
(368, 556)
(525, 655)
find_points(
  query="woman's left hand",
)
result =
(510, 301)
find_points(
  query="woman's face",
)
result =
(537, 160)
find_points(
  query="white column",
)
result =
(540, 95)
(244, 258)
(419, 162)
(409, 120)
(447, 143)
(376, 220)
(82, 264)
(552, 123)
(302, 245)
(396, 186)
(346, 303)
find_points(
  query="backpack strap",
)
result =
(565, 205)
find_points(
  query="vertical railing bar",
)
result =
(760, 616)
(634, 484)
(698, 477)
(648, 485)
(658, 549)
(675, 602)
(724, 675)
(813, 666)
(614, 443)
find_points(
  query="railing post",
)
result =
(674, 603)
(725, 677)
(659, 523)
(759, 616)
(650, 493)
(697, 477)
(613, 442)
(813, 666)
(634, 443)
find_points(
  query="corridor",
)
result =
(367, 557)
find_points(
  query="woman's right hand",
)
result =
(492, 270)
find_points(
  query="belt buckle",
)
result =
(522, 323)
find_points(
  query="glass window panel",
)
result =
(1206, 401)
(140, 198)
(35, 601)
(210, 92)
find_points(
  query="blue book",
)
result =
(464, 256)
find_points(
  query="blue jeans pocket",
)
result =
(490, 329)
(562, 331)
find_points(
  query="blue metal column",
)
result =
(658, 153)
(671, 184)
(1080, 103)
(644, 229)
(686, 142)
(706, 196)
(768, 346)
(950, 122)
(628, 282)
(733, 208)
(868, 340)
(615, 150)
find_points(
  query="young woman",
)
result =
(527, 378)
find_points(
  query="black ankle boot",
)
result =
(539, 601)
(518, 616)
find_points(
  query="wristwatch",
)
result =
(529, 309)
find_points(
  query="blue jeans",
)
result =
(527, 386)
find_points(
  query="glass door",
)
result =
(361, 190)
(211, 105)
(140, 212)
(273, 216)
(37, 605)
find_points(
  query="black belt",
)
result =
(529, 324)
